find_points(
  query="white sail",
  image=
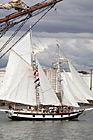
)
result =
(80, 83)
(67, 97)
(47, 95)
(75, 90)
(23, 48)
(18, 84)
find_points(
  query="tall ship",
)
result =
(25, 83)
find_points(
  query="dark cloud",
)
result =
(70, 25)
(75, 47)
(70, 16)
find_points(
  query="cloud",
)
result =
(75, 47)
(70, 26)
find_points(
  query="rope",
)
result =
(13, 35)
(22, 35)
(10, 22)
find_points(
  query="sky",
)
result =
(70, 26)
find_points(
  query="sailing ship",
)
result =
(25, 83)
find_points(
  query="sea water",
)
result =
(47, 130)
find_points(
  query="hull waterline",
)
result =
(15, 115)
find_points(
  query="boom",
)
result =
(30, 10)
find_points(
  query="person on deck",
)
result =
(10, 107)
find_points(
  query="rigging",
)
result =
(15, 18)
(8, 41)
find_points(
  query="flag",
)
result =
(36, 75)
(36, 66)
(35, 71)
(37, 85)
(36, 80)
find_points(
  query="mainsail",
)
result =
(18, 84)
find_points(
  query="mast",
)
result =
(31, 43)
(33, 63)
(59, 74)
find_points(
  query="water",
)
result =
(47, 130)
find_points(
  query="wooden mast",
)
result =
(30, 10)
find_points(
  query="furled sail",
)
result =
(80, 83)
(16, 4)
(18, 84)
(47, 95)
(67, 97)
(74, 89)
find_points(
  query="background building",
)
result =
(52, 77)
